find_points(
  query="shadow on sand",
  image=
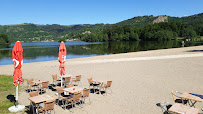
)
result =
(195, 51)
(11, 98)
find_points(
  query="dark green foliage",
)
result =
(158, 31)
(167, 31)
(188, 33)
(62, 39)
(4, 40)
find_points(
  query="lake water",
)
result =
(47, 51)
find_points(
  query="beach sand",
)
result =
(139, 79)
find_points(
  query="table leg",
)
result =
(182, 101)
(33, 106)
(100, 89)
(100, 86)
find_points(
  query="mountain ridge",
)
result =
(36, 32)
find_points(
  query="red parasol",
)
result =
(62, 58)
(17, 56)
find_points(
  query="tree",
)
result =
(121, 36)
(4, 40)
(62, 39)
(148, 36)
(168, 35)
(134, 36)
(115, 37)
(100, 37)
(126, 36)
(105, 37)
(189, 33)
(199, 30)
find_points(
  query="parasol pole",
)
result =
(60, 74)
(61, 80)
(17, 96)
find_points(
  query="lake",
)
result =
(47, 51)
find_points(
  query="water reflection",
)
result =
(46, 51)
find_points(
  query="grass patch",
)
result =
(6, 88)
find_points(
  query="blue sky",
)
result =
(69, 12)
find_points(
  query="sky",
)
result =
(70, 12)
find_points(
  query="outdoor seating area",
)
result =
(65, 93)
(98, 85)
(184, 103)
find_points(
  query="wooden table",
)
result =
(182, 109)
(66, 75)
(70, 90)
(191, 97)
(39, 99)
(99, 81)
(37, 82)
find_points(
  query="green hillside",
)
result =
(149, 28)
(188, 19)
(195, 21)
(33, 32)
(139, 21)
(142, 21)
(131, 29)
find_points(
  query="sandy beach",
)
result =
(140, 79)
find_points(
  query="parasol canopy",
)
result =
(17, 56)
(62, 58)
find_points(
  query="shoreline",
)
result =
(140, 79)
(139, 54)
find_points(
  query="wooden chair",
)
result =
(55, 79)
(30, 83)
(45, 85)
(61, 96)
(85, 94)
(33, 93)
(67, 81)
(164, 107)
(77, 79)
(70, 85)
(75, 99)
(176, 97)
(91, 83)
(107, 86)
(48, 107)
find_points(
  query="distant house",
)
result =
(86, 32)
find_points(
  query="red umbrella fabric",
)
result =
(17, 56)
(62, 69)
(62, 58)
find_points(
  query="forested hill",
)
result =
(149, 28)
(198, 18)
(33, 32)
(105, 32)
(142, 21)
